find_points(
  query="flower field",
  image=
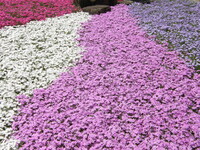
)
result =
(123, 80)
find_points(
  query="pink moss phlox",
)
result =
(126, 92)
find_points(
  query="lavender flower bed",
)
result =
(126, 92)
(174, 21)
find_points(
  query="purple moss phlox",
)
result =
(126, 92)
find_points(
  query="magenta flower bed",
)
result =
(127, 92)
(19, 12)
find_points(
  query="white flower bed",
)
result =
(31, 57)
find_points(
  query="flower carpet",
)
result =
(72, 81)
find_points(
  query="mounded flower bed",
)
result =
(117, 89)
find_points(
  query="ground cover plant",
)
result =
(126, 92)
(31, 57)
(20, 12)
(174, 21)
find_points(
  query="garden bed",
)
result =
(76, 81)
